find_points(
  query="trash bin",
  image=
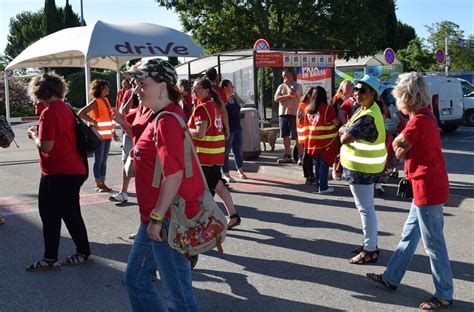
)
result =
(250, 133)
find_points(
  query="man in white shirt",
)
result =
(288, 95)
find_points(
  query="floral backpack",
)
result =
(206, 230)
(7, 136)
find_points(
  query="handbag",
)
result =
(207, 229)
(405, 189)
(87, 138)
(7, 136)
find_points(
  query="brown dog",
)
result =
(269, 135)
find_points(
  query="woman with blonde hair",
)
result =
(99, 115)
(426, 171)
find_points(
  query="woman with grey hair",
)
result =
(426, 171)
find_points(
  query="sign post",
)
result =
(260, 44)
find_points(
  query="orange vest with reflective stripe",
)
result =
(321, 135)
(210, 148)
(103, 118)
(300, 128)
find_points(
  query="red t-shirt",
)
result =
(346, 106)
(424, 163)
(221, 93)
(57, 124)
(139, 119)
(170, 138)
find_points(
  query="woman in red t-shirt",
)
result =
(150, 251)
(62, 172)
(187, 99)
(420, 145)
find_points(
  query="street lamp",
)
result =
(82, 15)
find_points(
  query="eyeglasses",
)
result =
(360, 90)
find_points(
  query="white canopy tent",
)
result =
(102, 45)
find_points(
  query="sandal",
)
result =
(242, 176)
(230, 224)
(43, 264)
(365, 257)
(434, 303)
(380, 279)
(359, 250)
(76, 258)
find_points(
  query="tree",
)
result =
(53, 18)
(71, 19)
(298, 25)
(416, 57)
(461, 58)
(25, 28)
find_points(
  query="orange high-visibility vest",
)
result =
(300, 128)
(321, 134)
(103, 118)
(210, 148)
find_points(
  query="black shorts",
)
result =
(213, 176)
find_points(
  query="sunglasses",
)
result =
(360, 90)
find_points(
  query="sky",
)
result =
(416, 13)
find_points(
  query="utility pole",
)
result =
(82, 15)
(447, 61)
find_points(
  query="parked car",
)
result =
(468, 92)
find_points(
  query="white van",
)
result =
(446, 101)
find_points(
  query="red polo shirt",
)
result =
(424, 162)
(170, 138)
(57, 124)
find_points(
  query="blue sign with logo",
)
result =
(439, 54)
(261, 44)
(389, 55)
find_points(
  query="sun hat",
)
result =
(155, 68)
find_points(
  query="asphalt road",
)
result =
(289, 254)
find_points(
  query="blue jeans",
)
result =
(425, 222)
(364, 201)
(100, 160)
(322, 171)
(145, 258)
(234, 142)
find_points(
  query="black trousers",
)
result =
(308, 166)
(59, 199)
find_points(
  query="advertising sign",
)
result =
(315, 76)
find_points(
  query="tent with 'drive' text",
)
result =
(103, 45)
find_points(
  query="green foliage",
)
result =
(415, 57)
(25, 28)
(52, 17)
(77, 91)
(461, 58)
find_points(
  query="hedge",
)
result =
(76, 84)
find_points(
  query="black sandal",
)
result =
(365, 257)
(434, 304)
(43, 264)
(380, 279)
(359, 250)
(76, 258)
(231, 225)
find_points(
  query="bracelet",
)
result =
(156, 218)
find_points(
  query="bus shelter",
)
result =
(243, 67)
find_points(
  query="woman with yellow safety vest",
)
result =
(363, 156)
(99, 114)
(321, 144)
(207, 131)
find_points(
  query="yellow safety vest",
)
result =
(364, 156)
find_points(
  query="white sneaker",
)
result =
(120, 197)
(328, 190)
